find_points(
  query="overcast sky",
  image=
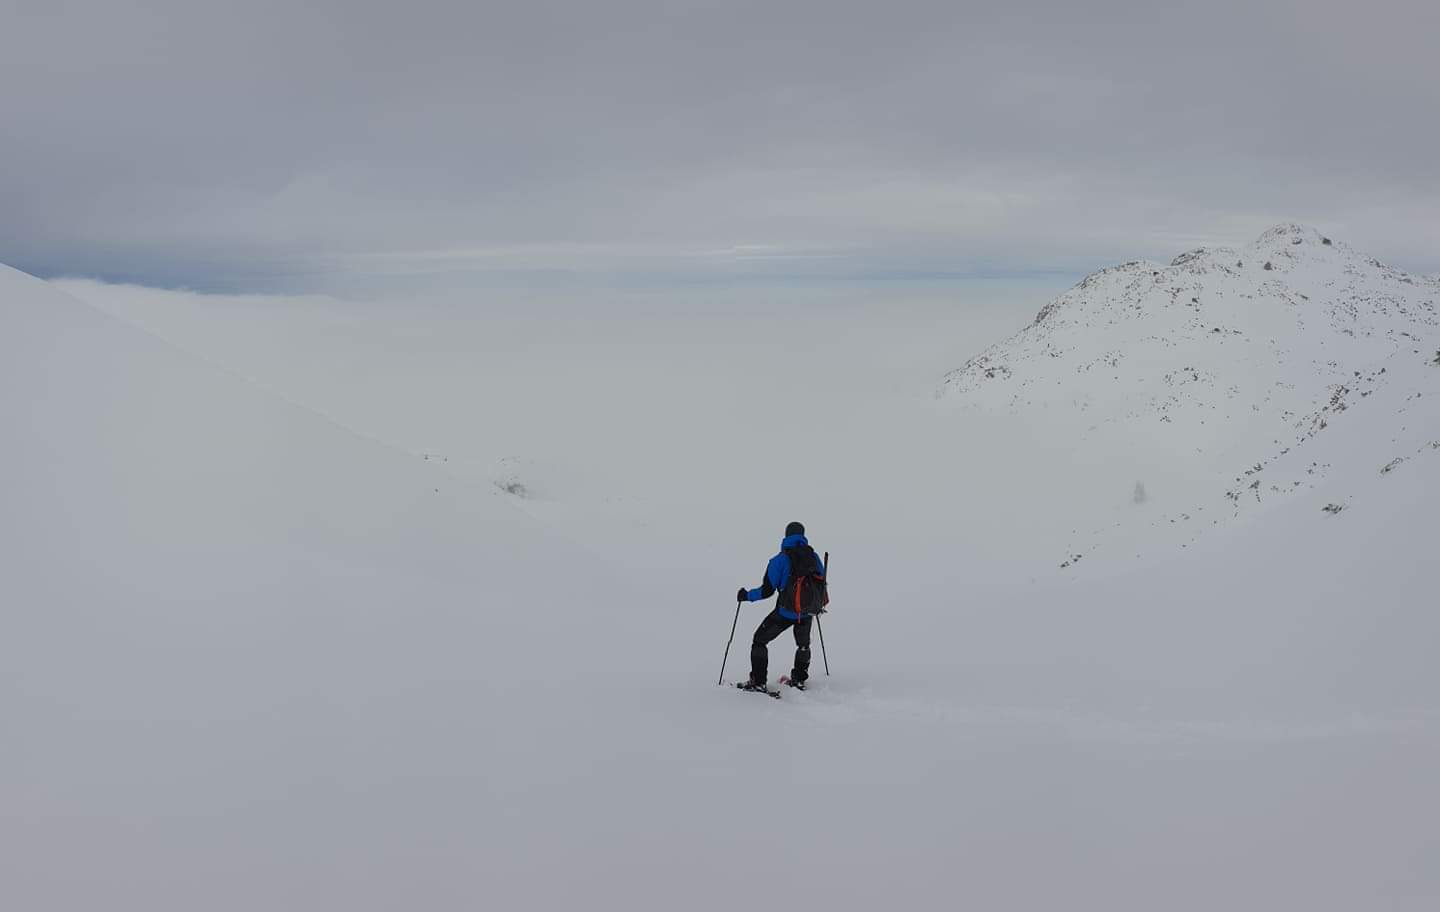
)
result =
(204, 143)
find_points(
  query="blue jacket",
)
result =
(777, 574)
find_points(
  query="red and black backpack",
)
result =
(805, 592)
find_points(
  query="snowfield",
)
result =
(327, 607)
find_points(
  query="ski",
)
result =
(766, 691)
(798, 685)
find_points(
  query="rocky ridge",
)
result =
(1238, 375)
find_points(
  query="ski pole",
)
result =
(729, 641)
(821, 630)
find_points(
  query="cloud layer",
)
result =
(201, 142)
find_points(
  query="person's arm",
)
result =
(766, 589)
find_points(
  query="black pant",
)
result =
(769, 629)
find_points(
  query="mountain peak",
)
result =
(1290, 234)
(1227, 371)
(1219, 357)
(1277, 300)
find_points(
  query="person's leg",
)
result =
(769, 629)
(801, 671)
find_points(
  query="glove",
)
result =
(743, 595)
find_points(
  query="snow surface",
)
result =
(1256, 373)
(324, 606)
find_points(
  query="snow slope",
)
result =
(257, 660)
(227, 617)
(1229, 379)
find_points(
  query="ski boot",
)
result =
(758, 687)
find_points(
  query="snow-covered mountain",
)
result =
(253, 659)
(1232, 377)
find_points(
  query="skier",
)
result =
(788, 573)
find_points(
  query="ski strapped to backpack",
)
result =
(805, 592)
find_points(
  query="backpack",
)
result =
(805, 592)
